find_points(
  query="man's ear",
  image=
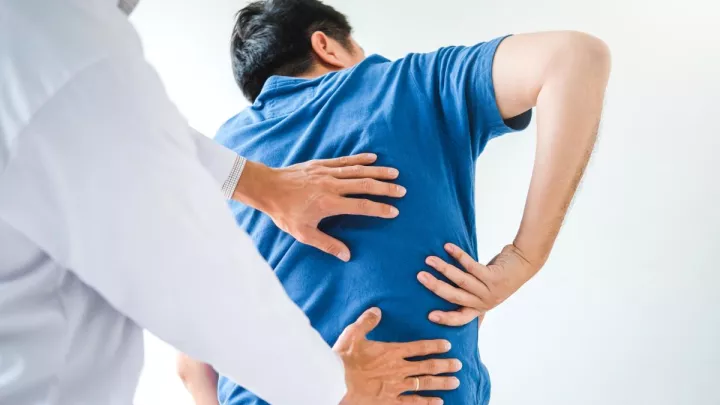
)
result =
(327, 50)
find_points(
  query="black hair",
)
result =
(272, 37)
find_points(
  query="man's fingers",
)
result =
(418, 400)
(370, 187)
(361, 206)
(430, 383)
(368, 321)
(359, 159)
(422, 348)
(466, 261)
(461, 317)
(463, 280)
(360, 172)
(448, 292)
(320, 240)
(433, 367)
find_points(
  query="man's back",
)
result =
(427, 115)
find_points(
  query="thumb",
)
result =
(320, 240)
(368, 321)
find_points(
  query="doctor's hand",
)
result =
(377, 373)
(298, 197)
(479, 288)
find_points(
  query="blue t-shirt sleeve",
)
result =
(458, 81)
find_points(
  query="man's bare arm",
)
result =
(563, 74)
(200, 379)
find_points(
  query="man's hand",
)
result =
(298, 197)
(377, 373)
(479, 288)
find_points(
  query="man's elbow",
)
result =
(189, 369)
(184, 368)
(586, 54)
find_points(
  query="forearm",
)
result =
(200, 379)
(569, 106)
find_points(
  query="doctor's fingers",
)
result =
(361, 172)
(367, 186)
(352, 160)
(430, 383)
(360, 206)
(418, 400)
(356, 167)
(430, 367)
(421, 348)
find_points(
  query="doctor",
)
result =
(111, 221)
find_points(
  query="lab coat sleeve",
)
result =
(224, 165)
(107, 180)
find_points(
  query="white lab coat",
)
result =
(111, 221)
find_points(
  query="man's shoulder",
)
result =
(229, 132)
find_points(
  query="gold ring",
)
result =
(417, 384)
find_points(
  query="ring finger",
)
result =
(430, 383)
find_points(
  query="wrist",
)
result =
(254, 185)
(532, 264)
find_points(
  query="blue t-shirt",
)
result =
(428, 115)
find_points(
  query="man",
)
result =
(111, 220)
(431, 116)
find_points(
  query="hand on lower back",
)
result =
(378, 373)
(479, 288)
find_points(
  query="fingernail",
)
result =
(394, 172)
(394, 211)
(437, 401)
(430, 261)
(401, 190)
(375, 311)
(454, 382)
(371, 155)
(422, 276)
(447, 345)
(435, 318)
(450, 248)
(457, 364)
(344, 256)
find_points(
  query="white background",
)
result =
(626, 310)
